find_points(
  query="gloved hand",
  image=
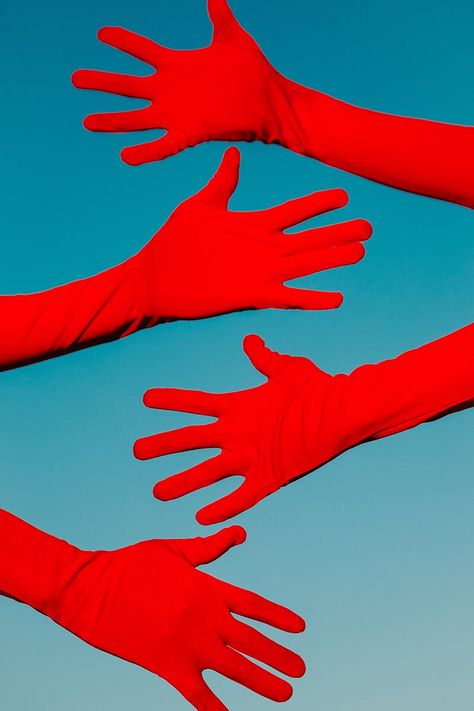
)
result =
(302, 417)
(204, 261)
(149, 605)
(229, 91)
(207, 260)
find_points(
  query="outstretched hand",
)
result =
(208, 260)
(229, 91)
(270, 434)
(149, 605)
(226, 91)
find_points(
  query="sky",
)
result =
(376, 550)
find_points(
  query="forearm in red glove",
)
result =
(302, 417)
(205, 260)
(229, 91)
(149, 605)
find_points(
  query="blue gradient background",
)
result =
(376, 550)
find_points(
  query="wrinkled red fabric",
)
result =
(205, 260)
(303, 417)
(229, 91)
(149, 605)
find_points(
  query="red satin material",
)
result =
(303, 417)
(206, 260)
(229, 91)
(149, 605)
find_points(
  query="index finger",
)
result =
(249, 604)
(134, 44)
(182, 440)
(196, 402)
(295, 211)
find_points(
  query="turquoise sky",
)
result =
(376, 550)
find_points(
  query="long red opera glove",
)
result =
(302, 417)
(205, 260)
(149, 605)
(229, 91)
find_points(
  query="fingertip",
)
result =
(342, 196)
(366, 229)
(299, 670)
(233, 153)
(359, 251)
(139, 450)
(147, 398)
(76, 78)
(296, 666)
(104, 33)
(252, 341)
(291, 622)
(160, 492)
(334, 300)
(88, 123)
(300, 624)
(201, 518)
(239, 534)
(284, 693)
(205, 517)
(129, 156)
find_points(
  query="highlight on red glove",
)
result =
(229, 91)
(148, 604)
(303, 417)
(205, 260)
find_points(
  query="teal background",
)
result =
(375, 550)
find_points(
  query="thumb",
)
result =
(268, 362)
(222, 185)
(200, 551)
(223, 20)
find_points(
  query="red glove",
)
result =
(204, 261)
(149, 605)
(229, 91)
(303, 417)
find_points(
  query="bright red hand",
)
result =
(226, 91)
(303, 417)
(229, 91)
(149, 605)
(208, 260)
(205, 260)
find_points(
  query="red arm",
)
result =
(80, 314)
(427, 157)
(149, 605)
(206, 260)
(420, 385)
(230, 91)
(303, 417)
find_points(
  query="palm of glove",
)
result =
(149, 605)
(263, 437)
(229, 261)
(270, 434)
(226, 91)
